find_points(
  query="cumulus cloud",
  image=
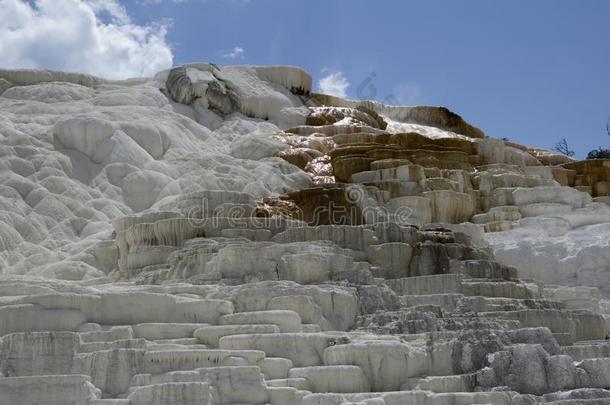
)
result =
(90, 36)
(234, 53)
(334, 84)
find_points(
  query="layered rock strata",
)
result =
(221, 235)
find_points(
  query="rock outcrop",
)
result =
(221, 235)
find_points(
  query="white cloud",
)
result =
(90, 36)
(237, 52)
(334, 84)
(114, 10)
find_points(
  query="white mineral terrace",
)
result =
(222, 235)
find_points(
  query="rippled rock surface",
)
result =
(222, 235)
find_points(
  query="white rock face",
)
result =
(78, 154)
(221, 235)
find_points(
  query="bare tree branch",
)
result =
(563, 147)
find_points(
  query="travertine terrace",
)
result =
(223, 235)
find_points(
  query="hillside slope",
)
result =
(223, 235)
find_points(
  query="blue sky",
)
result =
(531, 71)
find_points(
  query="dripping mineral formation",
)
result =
(223, 235)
